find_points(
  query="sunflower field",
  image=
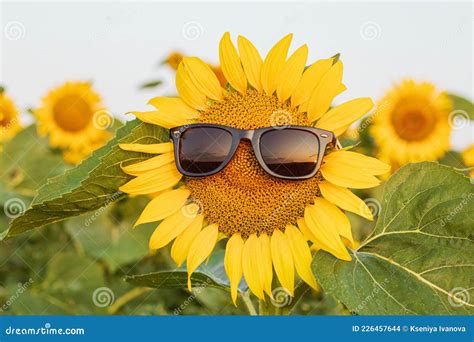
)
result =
(108, 217)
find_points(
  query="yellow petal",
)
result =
(149, 164)
(274, 63)
(251, 62)
(188, 92)
(231, 65)
(307, 233)
(325, 92)
(339, 219)
(251, 266)
(163, 205)
(203, 77)
(201, 248)
(339, 118)
(301, 255)
(325, 232)
(182, 243)
(173, 107)
(310, 79)
(283, 260)
(233, 263)
(370, 165)
(161, 119)
(342, 173)
(345, 199)
(291, 73)
(170, 228)
(153, 181)
(266, 262)
(150, 148)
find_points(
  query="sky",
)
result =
(119, 44)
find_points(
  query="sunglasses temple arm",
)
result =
(336, 143)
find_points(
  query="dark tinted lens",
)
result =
(290, 152)
(203, 149)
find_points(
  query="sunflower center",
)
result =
(243, 198)
(72, 113)
(414, 122)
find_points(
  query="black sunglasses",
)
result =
(289, 152)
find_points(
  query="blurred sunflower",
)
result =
(267, 221)
(468, 157)
(9, 120)
(411, 124)
(71, 115)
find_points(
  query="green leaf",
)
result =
(27, 161)
(462, 104)
(420, 256)
(151, 84)
(210, 274)
(89, 186)
(108, 235)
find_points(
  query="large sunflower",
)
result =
(267, 221)
(9, 119)
(72, 116)
(411, 123)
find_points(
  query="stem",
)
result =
(248, 303)
(127, 297)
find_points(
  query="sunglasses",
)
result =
(289, 152)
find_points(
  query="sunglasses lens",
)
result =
(290, 152)
(203, 149)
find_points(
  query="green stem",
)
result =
(248, 303)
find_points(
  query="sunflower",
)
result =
(468, 157)
(411, 124)
(9, 120)
(72, 116)
(174, 59)
(266, 221)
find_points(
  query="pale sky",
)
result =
(118, 44)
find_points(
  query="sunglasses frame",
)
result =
(325, 138)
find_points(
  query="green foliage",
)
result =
(462, 105)
(26, 162)
(89, 186)
(151, 84)
(419, 258)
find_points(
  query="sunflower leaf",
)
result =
(89, 186)
(420, 257)
(462, 106)
(210, 274)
